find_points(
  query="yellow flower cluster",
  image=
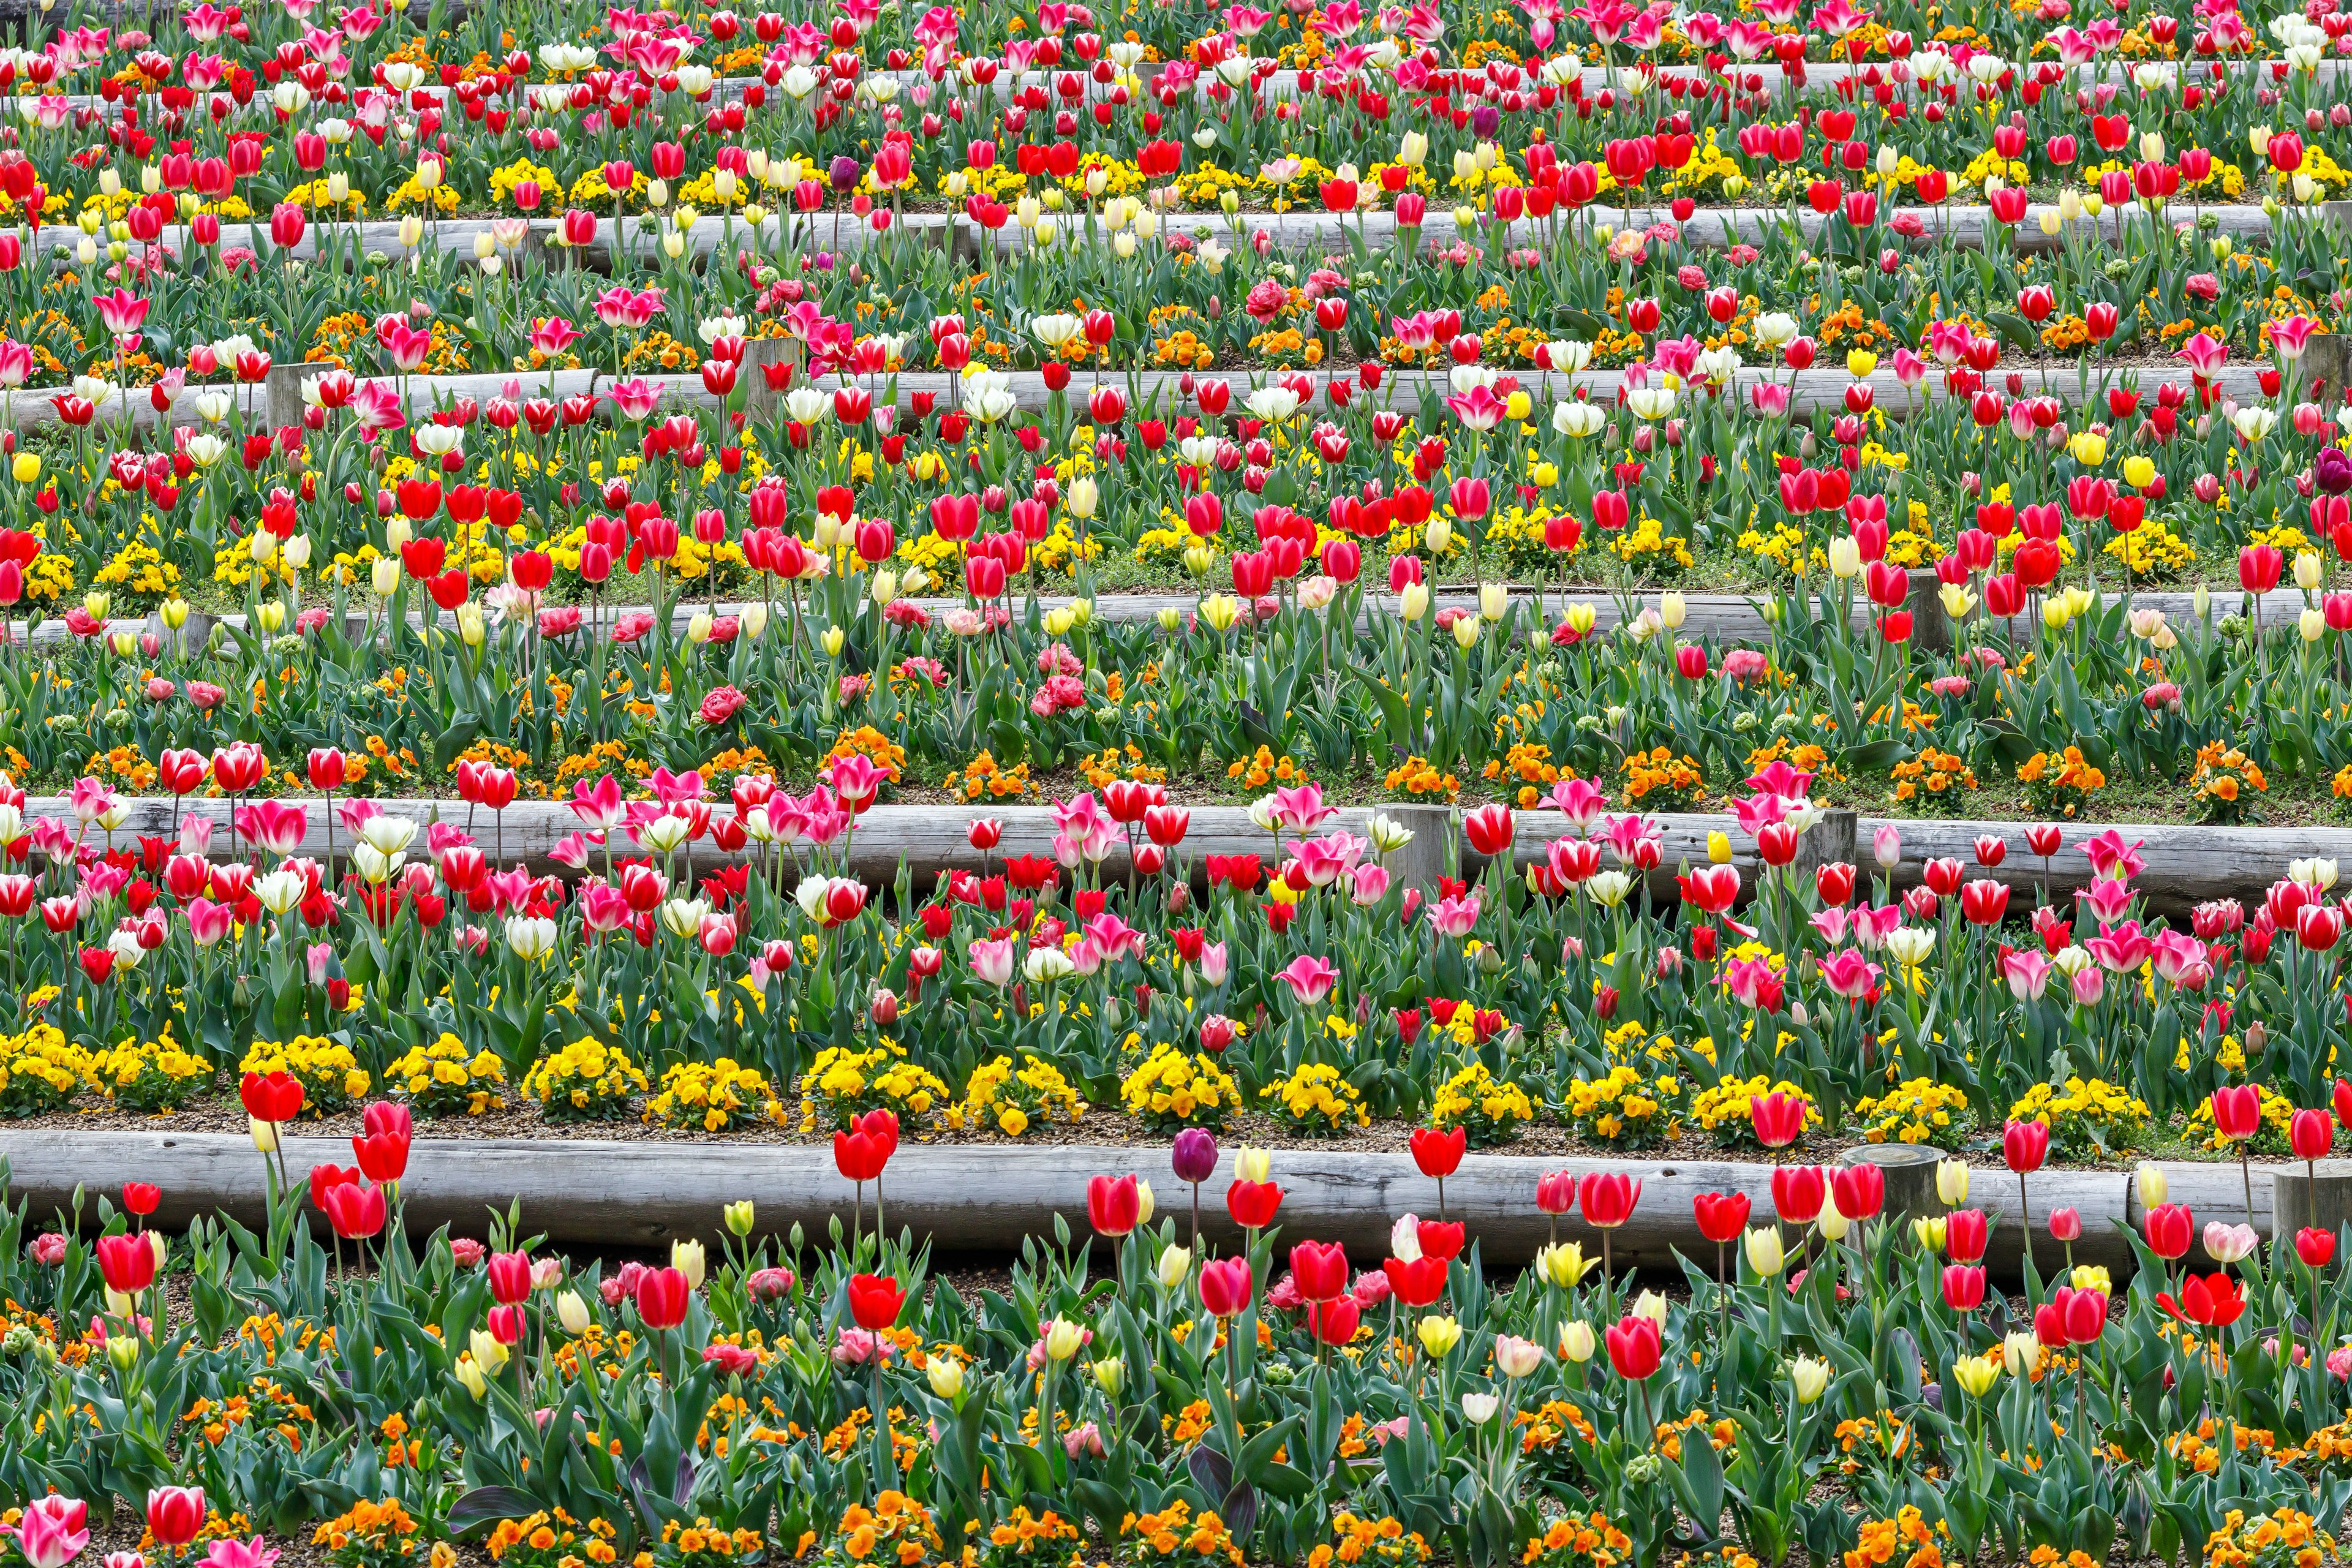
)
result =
(1174, 1534)
(369, 1535)
(1906, 1536)
(1417, 775)
(1174, 1089)
(150, 1076)
(40, 1071)
(1660, 781)
(442, 1079)
(2223, 777)
(2062, 782)
(1574, 1540)
(1624, 1109)
(585, 1082)
(711, 1095)
(1317, 1100)
(1490, 1111)
(2152, 549)
(331, 1077)
(1024, 1536)
(2288, 1537)
(1916, 1110)
(1932, 780)
(897, 1530)
(1011, 1100)
(844, 1084)
(2084, 1117)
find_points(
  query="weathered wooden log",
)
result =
(1717, 618)
(1810, 389)
(628, 1194)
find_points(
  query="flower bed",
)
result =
(496, 501)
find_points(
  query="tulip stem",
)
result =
(2246, 1172)
(2025, 1219)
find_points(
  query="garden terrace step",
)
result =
(1716, 618)
(1959, 227)
(619, 1193)
(2186, 864)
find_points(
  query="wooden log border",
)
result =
(617, 1193)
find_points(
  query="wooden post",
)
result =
(2321, 1197)
(1910, 1171)
(1420, 863)
(1826, 843)
(760, 400)
(2328, 357)
(285, 384)
(1931, 631)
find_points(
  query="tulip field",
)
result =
(911, 588)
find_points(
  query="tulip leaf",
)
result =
(488, 1505)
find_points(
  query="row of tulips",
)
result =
(708, 937)
(1835, 1376)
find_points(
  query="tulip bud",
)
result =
(1577, 1341)
(1175, 1263)
(687, 1257)
(946, 1373)
(739, 1217)
(571, 1313)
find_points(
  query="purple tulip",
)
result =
(1194, 1156)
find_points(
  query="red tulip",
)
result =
(2169, 1228)
(355, 1210)
(2316, 1247)
(1418, 1283)
(1721, 1215)
(1225, 1287)
(1439, 1154)
(1334, 1322)
(175, 1514)
(1964, 1287)
(858, 1157)
(1796, 1192)
(139, 1198)
(1633, 1347)
(1778, 1119)
(127, 1263)
(1556, 1192)
(2237, 1112)
(2024, 1145)
(510, 1274)
(1319, 1269)
(1965, 1234)
(1440, 1240)
(1860, 1190)
(2213, 1301)
(1113, 1206)
(1252, 1203)
(2310, 1134)
(1608, 1198)
(662, 1296)
(271, 1097)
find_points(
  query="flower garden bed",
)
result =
(565, 647)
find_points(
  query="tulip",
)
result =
(1634, 1348)
(1225, 1287)
(175, 1515)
